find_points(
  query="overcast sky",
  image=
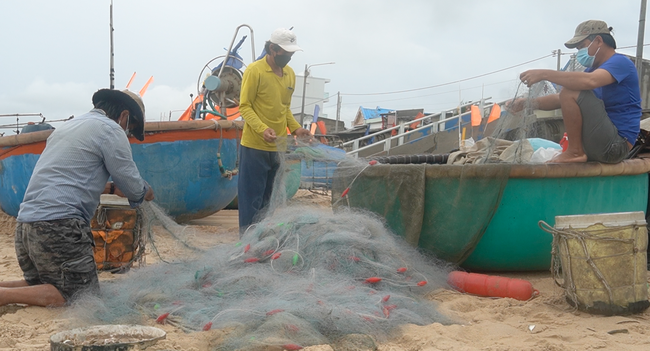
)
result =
(55, 54)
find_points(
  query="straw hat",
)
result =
(132, 101)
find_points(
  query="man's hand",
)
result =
(516, 105)
(149, 195)
(533, 76)
(302, 133)
(269, 135)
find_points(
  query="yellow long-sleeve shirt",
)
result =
(264, 102)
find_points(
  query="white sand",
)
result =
(486, 324)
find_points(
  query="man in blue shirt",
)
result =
(601, 106)
(54, 244)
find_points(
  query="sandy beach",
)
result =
(546, 322)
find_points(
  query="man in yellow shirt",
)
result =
(265, 102)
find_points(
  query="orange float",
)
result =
(491, 286)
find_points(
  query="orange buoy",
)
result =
(492, 286)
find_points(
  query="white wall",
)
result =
(316, 95)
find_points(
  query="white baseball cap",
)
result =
(285, 39)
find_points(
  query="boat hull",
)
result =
(514, 242)
(319, 174)
(14, 177)
(185, 175)
(485, 217)
(180, 160)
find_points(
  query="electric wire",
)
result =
(312, 103)
(474, 77)
(453, 82)
(420, 96)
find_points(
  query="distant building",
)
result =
(395, 118)
(330, 124)
(315, 95)
(382, 118)
(372, 117)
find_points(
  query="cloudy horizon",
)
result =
(56, 54)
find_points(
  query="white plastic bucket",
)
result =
(603, 261)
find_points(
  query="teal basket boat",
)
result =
(484, 217)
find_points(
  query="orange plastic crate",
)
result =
(117, 240)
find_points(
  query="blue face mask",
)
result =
(584, 58)
(126, 130)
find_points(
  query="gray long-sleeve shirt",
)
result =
(72, 171)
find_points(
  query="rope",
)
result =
(560, 239)
(224, 172)
(101, 217)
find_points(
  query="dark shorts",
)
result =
(60, 253)
(600, 138)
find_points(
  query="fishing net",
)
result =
(443, 209)
(515, 136)
(301, 276)
(444, 203)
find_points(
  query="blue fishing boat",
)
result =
(318, 166)
(191, 165)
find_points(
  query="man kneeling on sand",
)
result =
(54, 244)
(601, 106)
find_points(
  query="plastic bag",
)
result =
(544, 154)
(539, 142)
(467, 144)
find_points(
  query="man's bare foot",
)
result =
(569, 157)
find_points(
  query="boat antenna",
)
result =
(112, 64)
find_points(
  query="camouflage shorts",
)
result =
(58, 252)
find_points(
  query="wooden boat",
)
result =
(485, 217)
(191, 165)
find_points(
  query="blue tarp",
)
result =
(236, 63)
(374, 113)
